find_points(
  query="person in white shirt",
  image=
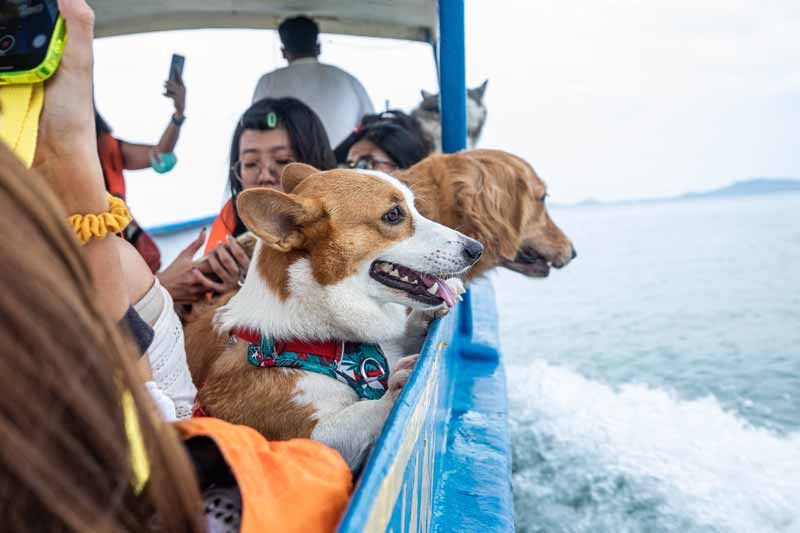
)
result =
(336, 97)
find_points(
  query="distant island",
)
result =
(739, 188)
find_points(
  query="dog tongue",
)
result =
(443, 291)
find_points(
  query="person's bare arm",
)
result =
(66, 153)
(137, 156)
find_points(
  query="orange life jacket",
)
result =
(110, 152)
(223, 225)
(289, 486)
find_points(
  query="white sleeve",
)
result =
(168, 360)
(165, 405)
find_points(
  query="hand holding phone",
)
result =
(227, 264)
(174, 87)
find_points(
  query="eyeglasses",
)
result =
(368, 162)
(251, 170)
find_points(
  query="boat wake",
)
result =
(590, 458)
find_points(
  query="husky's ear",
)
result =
(278, 218)
(294, 173)
(477, 92)
(426, 95)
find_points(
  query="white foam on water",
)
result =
(589, 457)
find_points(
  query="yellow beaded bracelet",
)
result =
(98, 226)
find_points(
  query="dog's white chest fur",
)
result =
(312, 311)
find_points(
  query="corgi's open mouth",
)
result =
(424, 288)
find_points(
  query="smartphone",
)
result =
(32, 37)
(176, 67)
(246, 240)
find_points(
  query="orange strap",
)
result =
(290, 486)
(223, 226)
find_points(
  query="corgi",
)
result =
(340, 256)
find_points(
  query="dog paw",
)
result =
(407, 363)
(400, 374)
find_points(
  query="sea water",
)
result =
(654, 383)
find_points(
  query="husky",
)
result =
(429, 115)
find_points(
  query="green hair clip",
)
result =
(272, 119)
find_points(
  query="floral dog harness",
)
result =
(361, 366)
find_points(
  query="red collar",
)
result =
(327, 349)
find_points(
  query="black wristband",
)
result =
(178, 121)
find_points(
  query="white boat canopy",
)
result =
(414, 20)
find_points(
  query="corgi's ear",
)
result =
(294, 173)
(278, 218)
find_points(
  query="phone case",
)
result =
(48, 66)
(176, 66)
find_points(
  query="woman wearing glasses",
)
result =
(387, 141)
(272, 133)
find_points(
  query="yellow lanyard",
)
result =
(139, 462)
(20, 106)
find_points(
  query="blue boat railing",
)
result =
(176, 227)
(443, 461)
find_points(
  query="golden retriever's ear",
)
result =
(294, 173)
(278, 218)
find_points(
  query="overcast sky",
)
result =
(609, 99)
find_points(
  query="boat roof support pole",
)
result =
(452, 75)
(453, 102)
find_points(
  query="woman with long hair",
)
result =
(270, 134)
(70, 389)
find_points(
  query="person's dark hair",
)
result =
(299, 35)
(307, 136)
(394, 132)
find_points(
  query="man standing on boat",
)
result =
(336, 96)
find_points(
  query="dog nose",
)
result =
(473, 250)
(574, 254)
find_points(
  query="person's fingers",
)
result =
(195, 245)
(223, 253)
(238, 253)
(79, 19)
(219, 269)
(207, 283)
